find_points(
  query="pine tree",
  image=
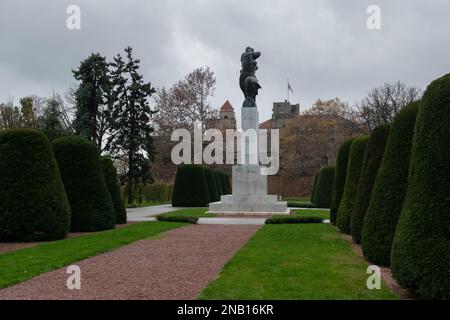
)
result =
(131, 114)
(92, 118)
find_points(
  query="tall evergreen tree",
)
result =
(92, 98)
(52, 120)
(131, 114)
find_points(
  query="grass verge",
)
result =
(295, 261)
(324, 214)
(21, 265)
(192, 212)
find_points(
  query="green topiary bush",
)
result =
(292, 220)
(389, 189)
(191, 188)
(218, 184)
(180, 218)
(226, 185)
(314, 188)
(112, 182)
(212, 185)
(324, 187)
(340, 174)
(343, 220)
(420, 257)
(89, 198)
(372, 159)
(33, 203)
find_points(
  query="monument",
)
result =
(249, 195)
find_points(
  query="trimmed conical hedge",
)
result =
(212, 185)
(226, 185)
(372, 159)
(356, 156)
(191, 188)
(314, 188)
(112, 182)
(218, 184)
(420, 257)
(324, 187)
(89, 198)
(389, 189)
(340, 174)
(33, 204)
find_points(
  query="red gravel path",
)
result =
(176, 265)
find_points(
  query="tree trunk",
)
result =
(130, 178)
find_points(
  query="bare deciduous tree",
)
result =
(185, 102)
(383, 103)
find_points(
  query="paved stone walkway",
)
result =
(178, 264)
(149, 213)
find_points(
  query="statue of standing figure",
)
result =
(247, 80)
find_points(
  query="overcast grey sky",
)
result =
(323, 47)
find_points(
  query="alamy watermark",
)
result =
(73, 21)
(74, 280)
(241, 147)
(374, 280)
(374, 20)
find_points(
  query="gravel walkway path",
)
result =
(176, 265)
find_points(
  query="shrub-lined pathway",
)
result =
(177, 264)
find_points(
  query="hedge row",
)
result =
(420, 257)
(33, 204)
(324, 187)
(51, 188)
(112, 183)
(355, 161)
(372, 159)
(340, 174)
(314, 189)
(389, 190)
(401, 210)
(197, 186)
(89, 198)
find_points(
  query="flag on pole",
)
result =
(290, 88)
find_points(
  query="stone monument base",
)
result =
(249, 205)
(249, 196)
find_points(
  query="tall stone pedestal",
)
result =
(249, 185)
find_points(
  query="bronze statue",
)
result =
(247, 80)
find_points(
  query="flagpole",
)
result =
(288, 90)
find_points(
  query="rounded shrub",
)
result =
(212, 185)
(372, 159)
(314, 188)
(420, 257)
(191, 188)
(89, 198)
(355, 160)
(389, 189)
(324, 187)
(112, 183)
(340, 174)
(33, 203)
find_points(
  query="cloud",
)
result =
(322, 46)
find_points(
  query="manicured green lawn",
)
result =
(20, 265)
(193, 212)
(325, 214)
(301, 261)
